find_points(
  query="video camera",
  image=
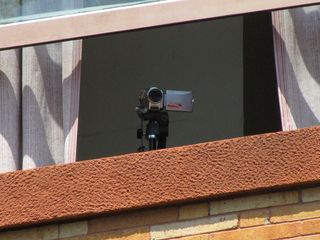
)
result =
(154, 106)
(155, 99)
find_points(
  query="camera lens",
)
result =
(155, 95)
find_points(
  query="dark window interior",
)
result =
(228, 63)
(261, 106)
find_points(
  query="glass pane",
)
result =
(23, 10)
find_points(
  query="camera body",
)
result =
(154, 106)
(155, 99)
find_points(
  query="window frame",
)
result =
(129, 18)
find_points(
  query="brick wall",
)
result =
(281, 215)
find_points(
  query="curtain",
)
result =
(39, 94)
(297, 55)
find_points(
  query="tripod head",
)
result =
(154, 106)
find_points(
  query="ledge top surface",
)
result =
(158, 178)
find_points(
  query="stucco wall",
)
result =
(279, 215)
(160, 178)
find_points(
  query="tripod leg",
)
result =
(152, 144)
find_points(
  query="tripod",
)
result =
(157, 129)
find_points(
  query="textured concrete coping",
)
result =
(164, 177)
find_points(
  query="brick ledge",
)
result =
(133, 181)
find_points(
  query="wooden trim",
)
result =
(132, 17)
(170, 176)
